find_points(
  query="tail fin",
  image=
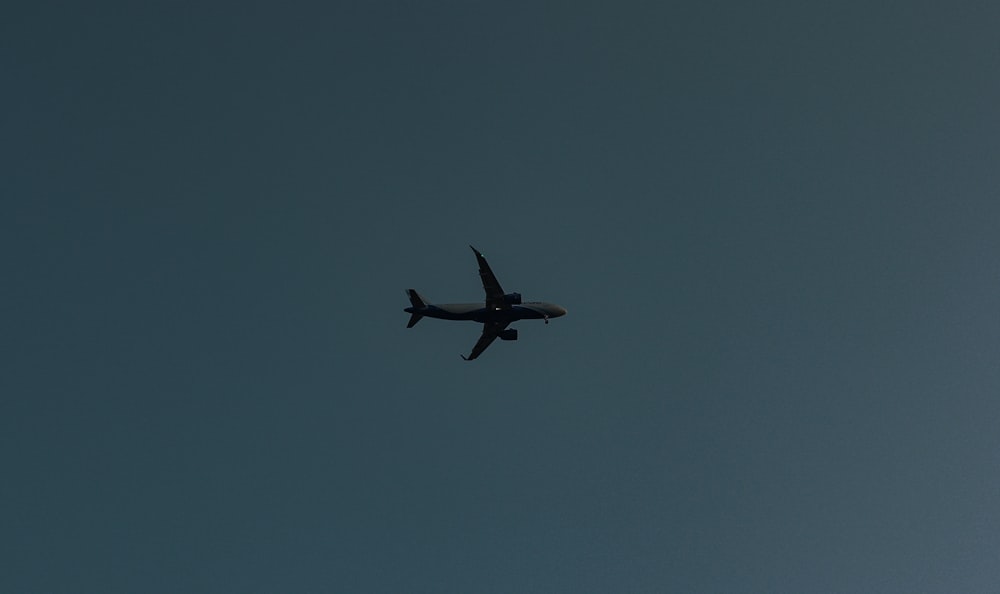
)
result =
(418, 303)
(415, 299)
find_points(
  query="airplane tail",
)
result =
(418, 303)
(415, 299)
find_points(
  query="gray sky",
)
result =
(774, 227)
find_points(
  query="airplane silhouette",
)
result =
(500, 310)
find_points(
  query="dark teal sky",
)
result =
(774, 227)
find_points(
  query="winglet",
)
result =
(464, 358)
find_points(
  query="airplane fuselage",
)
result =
(475, 312)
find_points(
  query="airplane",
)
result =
(500, 310)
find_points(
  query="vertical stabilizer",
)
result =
(415, 299)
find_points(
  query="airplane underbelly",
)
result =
(461, 311)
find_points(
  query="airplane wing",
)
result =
(494, 293)
(490, 333)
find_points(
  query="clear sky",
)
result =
(774, 225)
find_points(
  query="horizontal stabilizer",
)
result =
(414, 318)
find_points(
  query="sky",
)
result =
(774, 226)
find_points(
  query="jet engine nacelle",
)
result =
(509, 334)
(512, 298)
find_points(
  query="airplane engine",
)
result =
(512, 298)
(509, 334)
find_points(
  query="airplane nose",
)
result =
(560, 311)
